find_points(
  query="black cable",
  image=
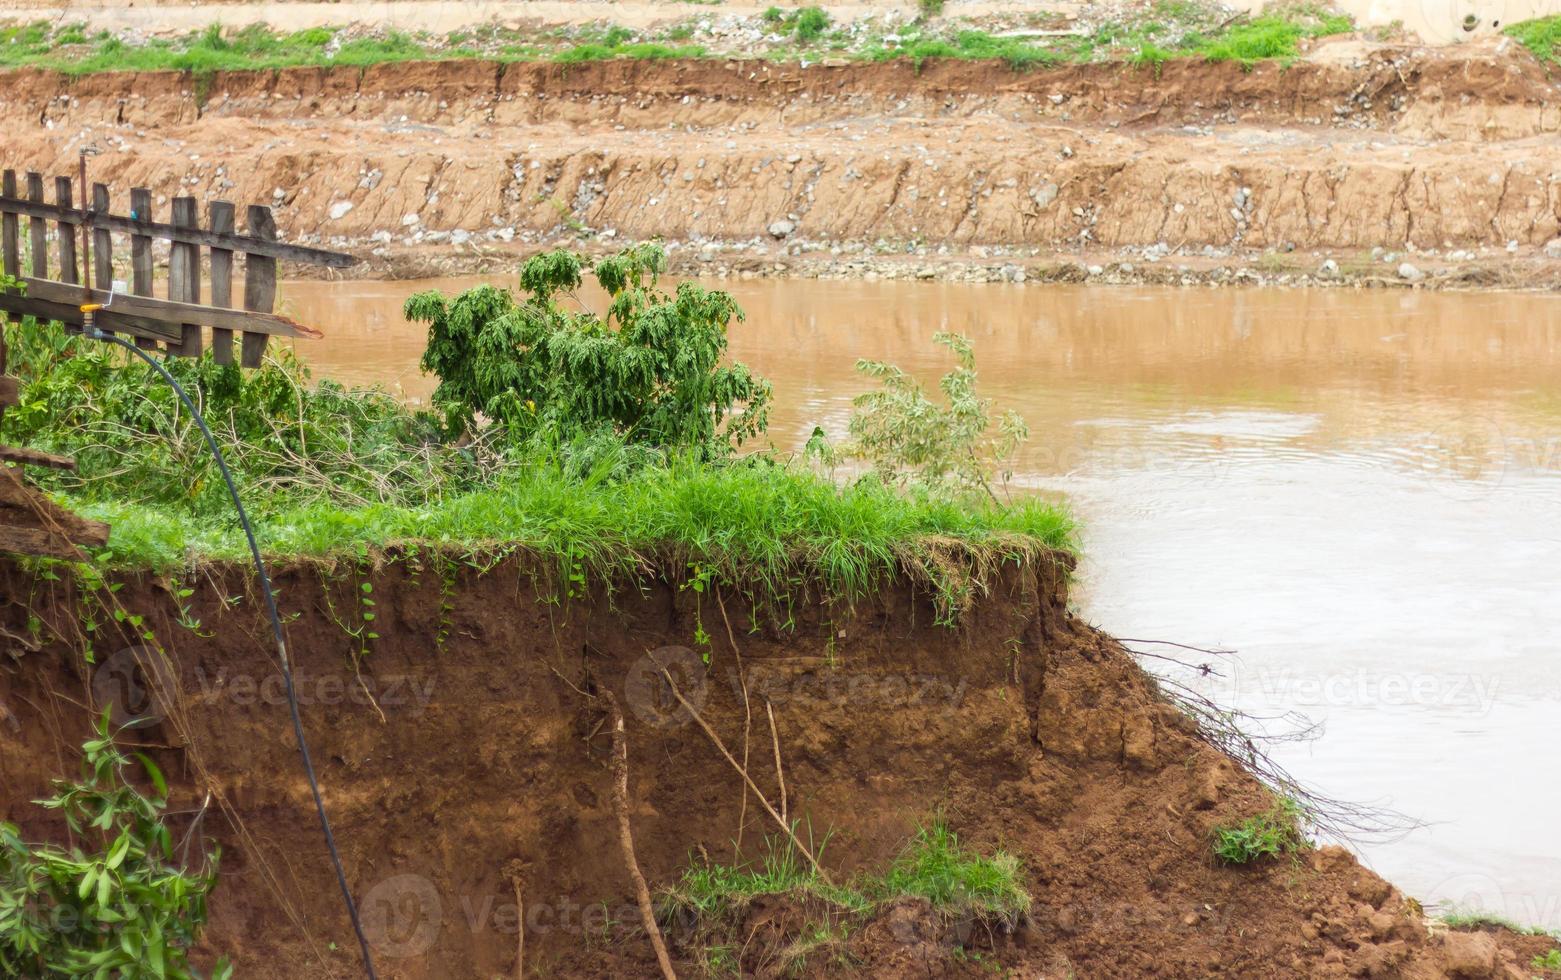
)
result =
(276, 628)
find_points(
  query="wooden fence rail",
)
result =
(177, 321)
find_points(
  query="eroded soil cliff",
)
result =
(468, 747)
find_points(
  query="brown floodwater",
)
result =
(1359, 491)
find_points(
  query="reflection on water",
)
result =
(1358, 490)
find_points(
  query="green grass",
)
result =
(1542, 36)
(1170, 29)
(1268, 834)
(1550, 960)
(649, 51)
(763, 526)
(1475, 918)
(712, 898)
(1271, 36)
(935, 867)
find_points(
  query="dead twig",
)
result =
(763, 801)
(780, 774)
(742, 815)
(620, 771)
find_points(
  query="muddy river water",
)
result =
(1359, 491)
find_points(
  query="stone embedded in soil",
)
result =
(1470, 955)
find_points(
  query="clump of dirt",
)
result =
(464, 762)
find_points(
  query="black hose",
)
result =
(276, 628)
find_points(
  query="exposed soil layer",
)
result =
(484, 754)
(1431, 153)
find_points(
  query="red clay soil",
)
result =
(485, 755)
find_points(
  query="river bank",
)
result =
(1361, 163)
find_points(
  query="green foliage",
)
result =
(1272, 36)
(1541, 36)
(648, 372)
(1268, 834)
(297, 441)
(972, 45)
(811, 22)
(936, 868)
(907, 438)
(647, 50)
(712, 898)
(773, 15)
(929, 8)
(1549, 960)
(710, 892)
(760, 524)
(121, 907)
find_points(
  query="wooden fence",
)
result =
(176, 322)
(30, 523)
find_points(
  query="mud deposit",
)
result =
(1414, 151)
(486, 755)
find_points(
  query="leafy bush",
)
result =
(929, 8)
(297, 440)
(121, 909)
(649, 372)
(811, 23)
(773, 15)
(1266, 835)
(907, 437)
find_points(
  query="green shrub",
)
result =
(929, 8)
(907, 438)
(114, 903)
(648, 372)
(812, 22)
(1266, 835)
(773, 15)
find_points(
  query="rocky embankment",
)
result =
(1360, 163)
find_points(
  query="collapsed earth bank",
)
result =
(465, 747)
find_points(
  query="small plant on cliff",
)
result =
(1266, 835)
(906, 437)
(647, 372)
(935, 867)
(1551, 960)
(119, 908)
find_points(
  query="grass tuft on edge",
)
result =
(760, 524)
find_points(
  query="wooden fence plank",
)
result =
(102, 241)
(184, 276)
(10, 243)
(36, 457)
(192, 236)
(37, 235)
(65, 232)
(220, 218)
(169, 311)
(141, 252)
(259, 282)
(148, 329)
